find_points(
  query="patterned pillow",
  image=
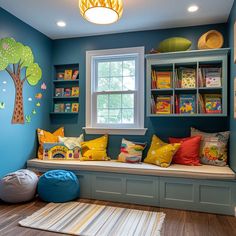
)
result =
(72, 142)
(213, 149)
(95, 150)
(47, 137)
(131, 152)
(161, 153)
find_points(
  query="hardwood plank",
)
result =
(177, 222)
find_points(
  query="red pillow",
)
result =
(188, 153)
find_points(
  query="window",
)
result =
(115, 91)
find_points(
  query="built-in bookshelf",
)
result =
(66, 92)
(190, 83)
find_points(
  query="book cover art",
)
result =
(188, 78)
(67, 92)
(68, 75)
(164, 79)
(75, 91)
(56, 107)
(213, 103)
(60, 75)
(59, 92)
(163, 104)
(75, 74)
(68, 107)
(61, 107)
(75, 107)
(187, 104)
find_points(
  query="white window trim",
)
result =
(90, 55)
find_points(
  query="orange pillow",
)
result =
(188, 153)
(47, 137)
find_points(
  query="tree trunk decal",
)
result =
(14, 56)
(18, 113)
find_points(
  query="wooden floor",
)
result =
(177, 222)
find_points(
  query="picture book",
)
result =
(60, 76)
(57, 108)
(187, 104)
(68, 75)
(75, 107)
(163, 104)
(75, 74)
(164, 79)
(213, 103)
(67, 92)
(188, 78)
(213, 77)
(67, 107)
(59, 92)
(75, 91)
(201, 105)
(153, 79)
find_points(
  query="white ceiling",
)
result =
(138, 15)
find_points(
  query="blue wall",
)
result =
(73, 51)
(18, 142)
(231, 21)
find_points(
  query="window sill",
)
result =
(126, 131)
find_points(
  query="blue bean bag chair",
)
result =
(58, 186)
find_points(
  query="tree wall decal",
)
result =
(17, 60)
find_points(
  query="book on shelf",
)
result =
(75, 91)
(75, 74)
(187, 104)
(213, 103)
(188, 78)
(163, 104)
(60, 75)
(213, 77)
(201, 104)
(59, 92)
(67, 107)
(161, 79)
(164, 79)
(67, 92)
(68, 75)
(75, 107)
(153, 105)
(59, 107)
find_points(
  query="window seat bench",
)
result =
(195, 172)
(198, 188)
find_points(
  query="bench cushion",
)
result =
(182, 171)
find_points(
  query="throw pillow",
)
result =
(188, 153)
(131, 152)
(95, 150)
(213, 149)
(47, 137)
(161, 153)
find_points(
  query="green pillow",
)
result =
(174, 45)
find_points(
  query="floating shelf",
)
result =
(64, 113)
(64, 98)
(66, 81)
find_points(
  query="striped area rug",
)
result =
(82, 219)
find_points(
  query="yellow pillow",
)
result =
(161, 153)
(95, 150)
(47, 137)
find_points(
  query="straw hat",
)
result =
(211, 40)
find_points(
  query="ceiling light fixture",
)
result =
(61, 23)
(101, 11)
(193, 8)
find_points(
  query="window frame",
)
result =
(92, 57)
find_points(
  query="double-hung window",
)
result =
(115, 91)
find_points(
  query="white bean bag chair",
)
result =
(19, 186)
